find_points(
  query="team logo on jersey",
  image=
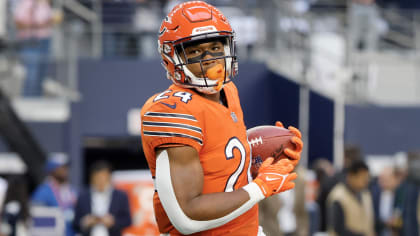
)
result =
(234, 118)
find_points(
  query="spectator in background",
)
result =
(294, 209)
(14, 219)
(56, 191)
(331, 178)
(326, 180)
(286, 214)
(34, 21)
(386, 198)
(350, 207)
(410, 177)
(102, 210)
(324, 169)
(267, 214)
(363, 25)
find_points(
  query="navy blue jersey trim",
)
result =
(170, 115)
(170, 134)
(170, 124)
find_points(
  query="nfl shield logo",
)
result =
(234, 118)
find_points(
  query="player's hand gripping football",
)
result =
(294, 155)
(275, 177)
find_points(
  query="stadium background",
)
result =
(294, 66)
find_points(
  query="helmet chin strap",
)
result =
(206, 90)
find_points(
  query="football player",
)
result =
(194, 136)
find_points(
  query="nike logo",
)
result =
(271, 179)
(169, 105)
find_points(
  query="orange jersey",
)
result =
(218, 133)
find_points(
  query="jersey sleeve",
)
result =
(165, 126)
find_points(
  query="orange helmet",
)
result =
(189, 22)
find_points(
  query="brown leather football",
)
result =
(268, 141)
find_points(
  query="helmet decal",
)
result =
(204, 29)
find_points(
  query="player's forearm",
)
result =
(186, 202)
(214, 205)
(188, 186)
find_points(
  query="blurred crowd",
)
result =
(128, 28)
(348, 201)
(358, 199)
(56, 208)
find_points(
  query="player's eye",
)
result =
(193, 52)
(216, 48)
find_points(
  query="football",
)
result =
(268, 141)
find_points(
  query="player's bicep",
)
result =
(185, 172)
